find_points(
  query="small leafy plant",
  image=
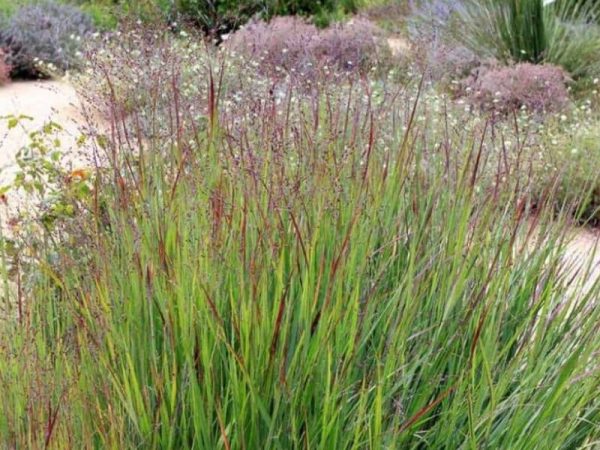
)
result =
(54, 188)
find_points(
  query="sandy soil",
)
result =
(42, 101)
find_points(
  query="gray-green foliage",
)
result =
(528, 30)
(46, 33)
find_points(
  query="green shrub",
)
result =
(105, 17)
(322, 11)
(107, 13)
(214, 17)
(221, 16)
(8, 7)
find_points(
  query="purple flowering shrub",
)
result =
(430, 28)
(44, 33)
(536, 87)
(291, 45)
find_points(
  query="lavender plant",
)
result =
(4, 68)
(45, 34)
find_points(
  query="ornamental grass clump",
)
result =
(327, 268)
(280, 45)
(532, 31)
